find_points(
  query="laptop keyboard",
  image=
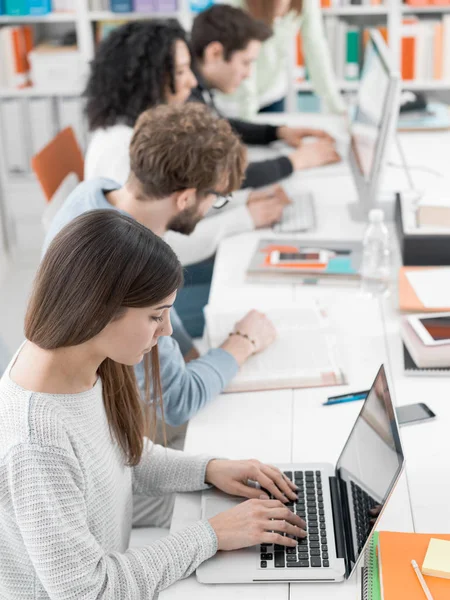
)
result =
(362, 503)
(311, 551)
(298, 216)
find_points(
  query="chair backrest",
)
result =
(56, 160)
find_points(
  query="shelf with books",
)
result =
(55, 17)
(106, 15)
(350, 11)
(427, 9)
(426, 85)
(30, 92)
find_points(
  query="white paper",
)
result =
(432, 286)
(303, 350)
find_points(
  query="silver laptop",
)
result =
(336, 501)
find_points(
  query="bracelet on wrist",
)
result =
(245, 336)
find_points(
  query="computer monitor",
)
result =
(373, 124)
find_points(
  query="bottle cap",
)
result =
(376, 215)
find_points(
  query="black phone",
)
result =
(414, 413)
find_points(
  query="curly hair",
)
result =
(130, 71)
(180, 147)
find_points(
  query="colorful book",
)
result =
(328, 260)
(370, 576)
(352, 58)
(121, 6)
(398, 580)
(166, 6)
(145, 6)
(16, 7)
(39, 7)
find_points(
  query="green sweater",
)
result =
(268, 81)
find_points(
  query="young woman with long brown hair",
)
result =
(73, 442)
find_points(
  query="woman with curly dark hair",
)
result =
(139, 65)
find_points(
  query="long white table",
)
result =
(292, 425)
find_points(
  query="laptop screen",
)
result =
(369, 466)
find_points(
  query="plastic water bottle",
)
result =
(376, 259)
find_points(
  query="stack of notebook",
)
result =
(388, 574)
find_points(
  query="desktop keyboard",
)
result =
(311, 551)
(362, 503)
(298, 216)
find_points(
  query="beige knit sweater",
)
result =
(66, 500)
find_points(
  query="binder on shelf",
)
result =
(16, 7)
(39, 7)
(145, 6)
(352, 58)
(166, 6)
(70, 113)
(121, 6)
(42, 121)
(14, 136)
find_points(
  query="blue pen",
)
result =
(347, 398)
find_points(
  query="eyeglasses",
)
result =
(221, 199)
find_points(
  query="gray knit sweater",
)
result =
(66, 503)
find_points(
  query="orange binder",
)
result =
(438, 51)
(397, 577)
(408, 47)
(408, 300)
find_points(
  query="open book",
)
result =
(303, 355)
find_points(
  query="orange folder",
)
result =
(408, 300)
(397, 577)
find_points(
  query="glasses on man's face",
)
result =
(221, 199)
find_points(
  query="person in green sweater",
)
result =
(265, 90)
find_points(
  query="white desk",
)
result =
(284, 426)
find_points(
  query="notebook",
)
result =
(303, 355)
(370, 578)
(407, 297)
(411, 369)
(342, 261)
(398, 580)
(434, 118)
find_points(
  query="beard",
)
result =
(186, 221)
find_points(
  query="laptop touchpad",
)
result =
(217, 503)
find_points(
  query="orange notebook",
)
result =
(408, 300)
(397, 577)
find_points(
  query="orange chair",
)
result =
(59, 162)
(56, 160)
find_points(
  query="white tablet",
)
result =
(433, 330)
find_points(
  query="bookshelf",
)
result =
(84, 21)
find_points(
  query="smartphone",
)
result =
(304, 257)
(414, 413)
(433, 330)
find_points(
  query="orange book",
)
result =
(438, 51)
(440, 2)
(408, 47)
(397, 577)
(300, 58)
(417, 2)
(325, 3)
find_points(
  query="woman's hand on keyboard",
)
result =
(314, 154)
(232, 477)
(257, 522)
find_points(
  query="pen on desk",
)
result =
(347, 398)
(426, 591)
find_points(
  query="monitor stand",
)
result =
(359, 211)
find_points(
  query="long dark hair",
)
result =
(130, 71)
(97, 266)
